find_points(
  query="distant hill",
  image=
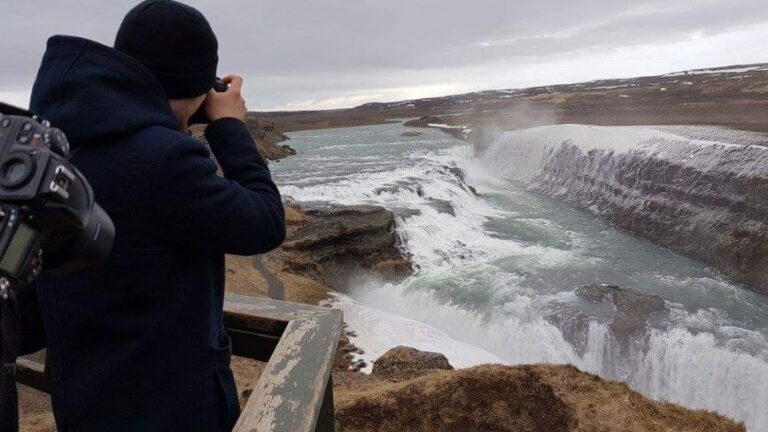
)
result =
(732, 96)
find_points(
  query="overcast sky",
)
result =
(338, 53)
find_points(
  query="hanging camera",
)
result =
(48, 221)
(48, 216)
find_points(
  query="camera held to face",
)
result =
(200, 117)
(48, 216)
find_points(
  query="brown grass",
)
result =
(504, 398)
(602, 405)
(487, 398)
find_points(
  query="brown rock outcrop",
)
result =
(344, 359)
(265, 130)
(327, 246)
(264, 133)
(411, 134)
(402, 363)
(633, 308)
(425, 121)
(335, 244)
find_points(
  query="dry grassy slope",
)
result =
(599, 405)
(244, 278)
(511, 399)
(487, 398)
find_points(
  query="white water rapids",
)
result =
(496, 273)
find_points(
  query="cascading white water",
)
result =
(520, 155)
(497, 272)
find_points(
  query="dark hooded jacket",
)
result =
(137, 343)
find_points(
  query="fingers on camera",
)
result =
(235, 81)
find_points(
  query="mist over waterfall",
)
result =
(502, 246)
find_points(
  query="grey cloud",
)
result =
(301, 50)
(664, 25)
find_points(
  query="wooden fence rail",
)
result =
(294, 392)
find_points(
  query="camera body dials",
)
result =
(48, 214)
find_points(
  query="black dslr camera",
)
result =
(48, 220)
(48, 216)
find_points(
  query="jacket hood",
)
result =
(95, 93)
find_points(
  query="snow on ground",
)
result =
(714, 71)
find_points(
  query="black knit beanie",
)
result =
(175, 42)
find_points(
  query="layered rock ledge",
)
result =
(328, 247)
(700, 191)
(708, 202)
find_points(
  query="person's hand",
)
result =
(229, 103)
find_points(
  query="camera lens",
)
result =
(15, 170)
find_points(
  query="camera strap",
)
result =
(10, 348)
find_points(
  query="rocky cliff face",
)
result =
(265, 134)
(705, 199)
(327, 247)
(337, 244)
(716, 212)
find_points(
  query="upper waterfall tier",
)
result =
(698, 191)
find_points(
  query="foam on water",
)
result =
(496, 274)
(377, 332)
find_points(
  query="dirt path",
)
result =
(275, 287)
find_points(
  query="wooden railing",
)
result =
(294, 392)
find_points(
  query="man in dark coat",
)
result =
(138, 344)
